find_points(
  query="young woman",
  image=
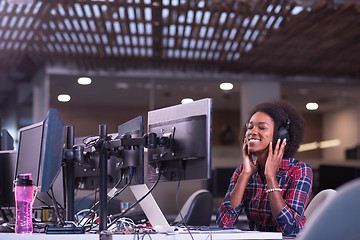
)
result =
(271, 186)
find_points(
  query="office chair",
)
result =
(197, 209)
(338, 217)
(318, 200)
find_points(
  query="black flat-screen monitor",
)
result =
(188, 154)
(134, 157)
(7, 169)
(220, 181)
(6, 141)
(40, 150)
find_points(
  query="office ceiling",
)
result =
(311, 39)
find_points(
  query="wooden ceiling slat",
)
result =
(91, 43)
(120, 35)
(67, 8)
(284, 13)
(214, 18)
(322, 41)
(187, 50)
(195, 35)
(240, 47)
(157, 26)
(12, 16)
(239, 34)
(167, 24)
(104, 33)
(137, 20)
(145, 36)
(100, 30)
(289, 31)
(232, 25)
(228, 25)
(247, 41)
(318, 49)
(37, 37)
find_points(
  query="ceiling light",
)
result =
(84, 80)
(226, 86)
(64, 98)
(312, 106)
(186, 100)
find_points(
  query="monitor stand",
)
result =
(151, 209)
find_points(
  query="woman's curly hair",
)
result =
(283, 114)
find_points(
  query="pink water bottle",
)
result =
(24, 192)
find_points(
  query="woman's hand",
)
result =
(249, 167)
(274, 158)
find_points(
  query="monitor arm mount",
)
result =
(105, 147)
(71, 154)
(149, 140)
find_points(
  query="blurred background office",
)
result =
(106, 62)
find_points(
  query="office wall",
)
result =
(86, 119)
(344, 125)
(313, 133)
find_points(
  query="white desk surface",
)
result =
(204, 235)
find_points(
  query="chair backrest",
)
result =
(338, 217)
(197, 209)
(318, 200)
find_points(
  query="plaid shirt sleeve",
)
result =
(227, 216)
(291, 220)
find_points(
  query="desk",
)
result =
(204, 235)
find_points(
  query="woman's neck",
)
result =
(261, 157)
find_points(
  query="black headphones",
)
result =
(283, 130)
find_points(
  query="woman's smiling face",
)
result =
(260, 131)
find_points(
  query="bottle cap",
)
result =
(24, 180)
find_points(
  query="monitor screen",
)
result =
(188, 155)
(40, 150)
(7, 169)
(6, 141)
(29, 149)
(220, 181)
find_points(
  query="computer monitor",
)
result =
(220, 181)
(40, 150)
(7, 169)
(188, 155)
(133, 157)
(6, 141)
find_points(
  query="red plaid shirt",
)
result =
(295, 180)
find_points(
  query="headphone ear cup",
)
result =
(283, 133)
